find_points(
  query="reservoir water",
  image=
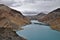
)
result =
(38, 32)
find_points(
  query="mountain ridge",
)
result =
(53, 19)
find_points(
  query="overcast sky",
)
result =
(32, 5)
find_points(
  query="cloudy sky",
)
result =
(32, 5)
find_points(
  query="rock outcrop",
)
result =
(10, 21)
(53, 19)
(10, 18)
(7, 34)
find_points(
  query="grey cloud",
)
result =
(32, 5)
(10, 2)
(29, 1)
(6, 2)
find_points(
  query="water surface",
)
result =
(39, 32)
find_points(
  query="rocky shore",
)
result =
(10, 21)
(7, 34)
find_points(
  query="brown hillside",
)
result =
(53, 19)
(10, 21)
(10, 18)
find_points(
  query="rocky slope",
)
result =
(7, 34)
(40, 15)
(11, 19)
(53, 19)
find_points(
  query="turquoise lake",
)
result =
(39, 32)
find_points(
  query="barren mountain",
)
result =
(38, 16)
(53, 19)
(10, 21)
(10, 18)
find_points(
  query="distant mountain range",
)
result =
(30, 13)
(35, 17)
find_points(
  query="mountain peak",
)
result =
(2, 5)
(57, 10)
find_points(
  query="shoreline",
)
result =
(7, 34)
